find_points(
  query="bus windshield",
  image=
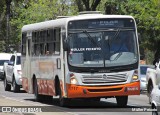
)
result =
(103, 48)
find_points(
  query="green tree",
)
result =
(2, 24)
(28, 12)
(86, 5)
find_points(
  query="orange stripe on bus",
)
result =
(46, 87)
(74, 91)
(51, 88)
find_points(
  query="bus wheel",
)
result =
(62, 101)
(16, 87)
(122, 101)
(37, 96)
(7, 87)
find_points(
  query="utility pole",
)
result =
(8, 3)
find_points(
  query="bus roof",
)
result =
(63, 21)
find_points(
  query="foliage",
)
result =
(2, 48)
(2, 24)
(34, 11)
(86, 5)
(149, 57)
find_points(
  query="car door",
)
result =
(10, 68)
(158, 74)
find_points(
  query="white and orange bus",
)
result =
(85, 56)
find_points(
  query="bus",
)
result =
(87, 56)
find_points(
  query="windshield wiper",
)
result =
(117, 33)
(95, 43)
(115, 36)
(91, 39)
(118, 55)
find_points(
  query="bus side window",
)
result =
(23, 48)
(56, 45)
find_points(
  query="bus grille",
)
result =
(115, 78)
(104, 90)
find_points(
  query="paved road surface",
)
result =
(78, 107)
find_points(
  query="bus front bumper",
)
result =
(75, 91)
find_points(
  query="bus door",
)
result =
(28, 60)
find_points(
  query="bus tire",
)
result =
(122, 101)
(62, 101)
(7, 87)
(16, 87)
(37, 96)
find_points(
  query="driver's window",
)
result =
(13, 59)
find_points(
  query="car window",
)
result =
(143, 70)
(2, 62)
(12, 58)
(18, 62)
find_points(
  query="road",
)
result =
(79, 107)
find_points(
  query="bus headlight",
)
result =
(73, 79)
(135, 75)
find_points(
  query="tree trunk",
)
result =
(86, 3)
(95, 4)
(80, 5)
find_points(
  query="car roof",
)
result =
(18, 54)
(5, 56)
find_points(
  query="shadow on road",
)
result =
(79, 105)
(21, 91)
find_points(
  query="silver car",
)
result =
(155, 100)
(143, 70)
